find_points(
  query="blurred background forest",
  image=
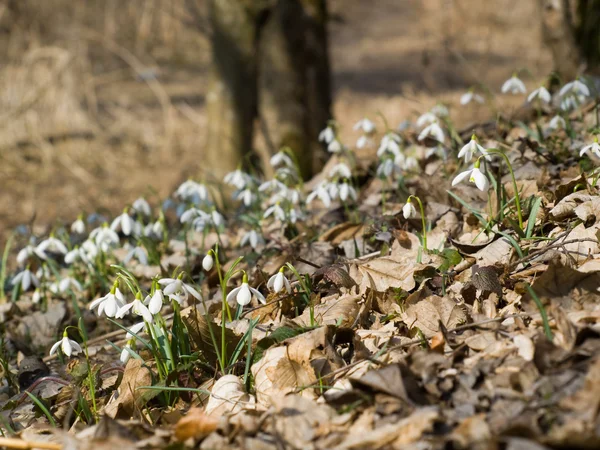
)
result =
(105, 100)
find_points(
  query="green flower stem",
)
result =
(422, 220)
(494, 151)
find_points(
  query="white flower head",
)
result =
(243, 294)
(110, 303)
(340, 170)
(29, 251)
(390, 143)
(276, 211)
(190, 191)
(278, 281)
(68, 346)
(138, 253)
(335, 146)
(238, 179)
(347, 192)
(432, 130)
(141, 206)
(104, 238)
(51, 244)
(125, 353)
(540, 93)
(252, 237)
(124, 223)
(474, 175)
(281, 158)
(155, 302)
(365, 125)
(426, 119)
(137, 307)
(327, 135)
(66, 284)
(208, 261)
(26, 279)
(177, 290)
(557, 122)
(469, 97)
(514, 85)
(576, 88)
(470, 148)
(408, 210)
(321, 192)
(78, 227)
(594, 148)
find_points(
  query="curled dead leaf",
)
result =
(195, 424)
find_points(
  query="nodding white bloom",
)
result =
(252, 237)
(155, 302)
(216, 218)
(594, 147)
(513, 85)
(321, 192)
(276, 211)
(134, 329)
(390, 143)
(154, 230)
(65, 284)
(88, 251)
(273, 185)
(243, 294)
(73, 255)
(68, 346)
(26, 279)
(470, 148)
(335, 146)
(282, 158)
(105, 238)
(426, 119)
(440, 110)
(51, 244)
(540, 93)
(293, 195)
(557, 122)
(124, 222)
(177, 290)
(327, 135)
(387, 168)
(576, 88)
(365, 125)
(110, 303)
(138, 253)
(474, 175)
(469, 97)
(340, 170)
(208, 262)
(347, 192)
(137, 307)
(190, 191)
(408, 163)
(408, 210)
(362, 141)
(78, 227)
(125, 353)
(191, 214)
(141, 206)
(278, 281)
(433, 130)
(237, 179)
(572, 102)
(37, 296)
(28, 251)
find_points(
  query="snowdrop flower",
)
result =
(28, 251)
(327, 135)
(137, 307)
(433, 130)
(273, 185)
(88, 251)
(26, 278)
(53, 245)
(125, 353)
(78, 227)
(321, 192)
(365, 125)
(557, 122)
(572, 102)
(408, 210)
(243, 294)
(155, 302)
(65, 284)
(278, 281)
(177, 290)
(426, 119)
(216, 218)
(469, 150)
(340, 170)
(208, 261)
(335, 146)
(68, 346)
(389, 144)
(237, 179)
(576, 88)
(409, 163)
(37, 296)
(281, 158)
(440, 110)
(474, 175)
(362, 141)
(73, 256)
(110, 303)
(387, 167)
(191, 214)
(540, 93)
(138, 253)
(276, 211)
(134, 329)
(252, 237)
(594, 147)
(141, 206)
(104, 238)
(513, 85)
(193, 192)
(124, 222)
(347, 191)
(470, 96)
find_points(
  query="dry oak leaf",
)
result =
(341, 311)
(395, 270)
(427, 313)
(566, 207)
(228, 396)
(129, 397)
(195, 424)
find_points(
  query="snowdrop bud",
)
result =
(408, 210)
(207, 262)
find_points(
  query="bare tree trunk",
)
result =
(231, 94)
(559, 35)
(587, 32)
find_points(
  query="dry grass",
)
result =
(86, 126)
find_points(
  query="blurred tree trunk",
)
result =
(270, 62)
(571, 29)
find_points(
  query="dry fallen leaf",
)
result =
(427, 313)
(195, 424)
(129, 398)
